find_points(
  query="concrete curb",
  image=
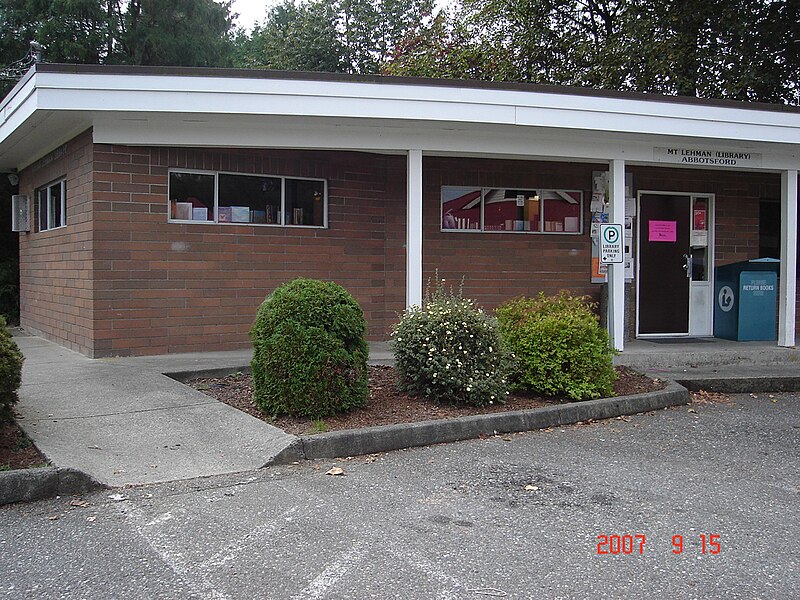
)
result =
(371, 440)
(742, 385)
(28, 485)
(188, 375)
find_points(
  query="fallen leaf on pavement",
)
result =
(531, 488)
(335, 471)
(79, 502)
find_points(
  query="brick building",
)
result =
(165, 203)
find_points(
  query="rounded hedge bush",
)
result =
(10, 370)
(449, 350)
(309, 352)
(558, 346)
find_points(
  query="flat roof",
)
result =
(248, 108)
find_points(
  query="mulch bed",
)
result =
(16, 449)
(387, 406)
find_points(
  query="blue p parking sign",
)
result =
(612, 249)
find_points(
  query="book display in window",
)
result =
(191, 196)
(562, 211)
(183, 211)
(225, 214)
(235, 198)
(304, 202)
(511, 210)
(249, 198)
(461, 208)
(240, 214)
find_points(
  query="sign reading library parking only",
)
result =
(612, 250)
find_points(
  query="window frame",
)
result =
(283, 179)
(44, 218)
(538, 190)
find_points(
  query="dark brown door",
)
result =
(663, 248)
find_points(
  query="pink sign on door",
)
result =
(663, 231)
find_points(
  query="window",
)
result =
(191, 196)
(304, 202)
(255, 199)
(248, 199)
(52, 205)
(507, 209)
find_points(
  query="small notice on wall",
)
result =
(662, 231)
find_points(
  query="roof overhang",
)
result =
(234, 108)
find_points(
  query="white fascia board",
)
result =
(17, 108)
(219, 95)
(380, 136)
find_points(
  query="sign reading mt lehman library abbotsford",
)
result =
(707, 157)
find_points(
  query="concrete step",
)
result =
(708, 352)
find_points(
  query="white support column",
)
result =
(616, 272)
(788, 291)
(414, 230)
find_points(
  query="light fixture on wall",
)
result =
(13, 178)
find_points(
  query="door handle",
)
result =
(688, 265)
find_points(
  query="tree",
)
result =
(192, 33)
(351, 36)
(299, 37)
(73, 31)
(743, 49)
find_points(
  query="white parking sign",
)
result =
(612, 244)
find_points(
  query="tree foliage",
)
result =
(741, 49)
(141, 32)
(350, 36)
(299, 37)
(192, 33)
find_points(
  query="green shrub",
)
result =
(10, 370)
(558, 345)
(309, 352)
(449, 350)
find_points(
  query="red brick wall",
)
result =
(56, 266)
(165, 287)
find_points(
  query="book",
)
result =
(297, 216)
(258, 216)
(200, 214)
(240, 214)
(183, 211)
(571, 224)
(224, 214)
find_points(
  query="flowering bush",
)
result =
(558, 345)
(449, 350)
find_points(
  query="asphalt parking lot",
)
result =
(518, 516)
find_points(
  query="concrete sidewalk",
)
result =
(123, 422)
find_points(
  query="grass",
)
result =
(319, 426)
